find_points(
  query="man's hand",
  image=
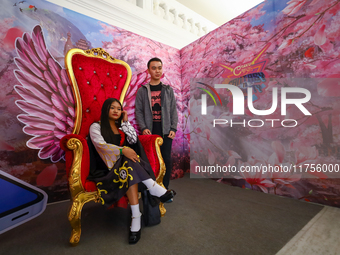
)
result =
(146, 132)
(172, 134)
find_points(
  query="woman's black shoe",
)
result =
(167, 196)
(134, 236)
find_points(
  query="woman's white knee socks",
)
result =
(136, 218)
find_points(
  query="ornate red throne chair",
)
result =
(96, 76)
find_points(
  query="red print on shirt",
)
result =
(156, 105)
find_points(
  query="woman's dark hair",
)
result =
(105, 127)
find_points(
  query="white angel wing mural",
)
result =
(47, 99)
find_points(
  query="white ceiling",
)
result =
(220, 11)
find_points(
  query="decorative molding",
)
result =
(144, 17)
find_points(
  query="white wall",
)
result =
(168, 22)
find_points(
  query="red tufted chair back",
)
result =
(95, 76)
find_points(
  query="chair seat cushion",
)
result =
(90, 186)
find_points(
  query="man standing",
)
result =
(156, 112)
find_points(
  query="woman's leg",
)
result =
(132, 194)
(158, 191)
(154, 188)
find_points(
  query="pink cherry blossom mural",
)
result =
(127, 46)
(301, 49)
(37, 105)
(276, 45)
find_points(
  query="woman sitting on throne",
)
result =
(121, 169)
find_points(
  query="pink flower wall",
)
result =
(127, 46)
(286, 44)
(36, 104)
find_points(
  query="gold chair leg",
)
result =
(74, 218)
(159, 179)
(161, 205)
(74, 215)
(162, 209)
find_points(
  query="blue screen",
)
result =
(12, 195)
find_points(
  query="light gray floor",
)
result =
(206, 218)
(319, 236)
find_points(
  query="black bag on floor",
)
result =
(151, 212)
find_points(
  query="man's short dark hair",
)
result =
(154, 59)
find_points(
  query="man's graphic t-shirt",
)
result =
(156, 108)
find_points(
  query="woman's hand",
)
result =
(130, 154)
(125, 116)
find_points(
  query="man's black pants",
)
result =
(166, 154)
